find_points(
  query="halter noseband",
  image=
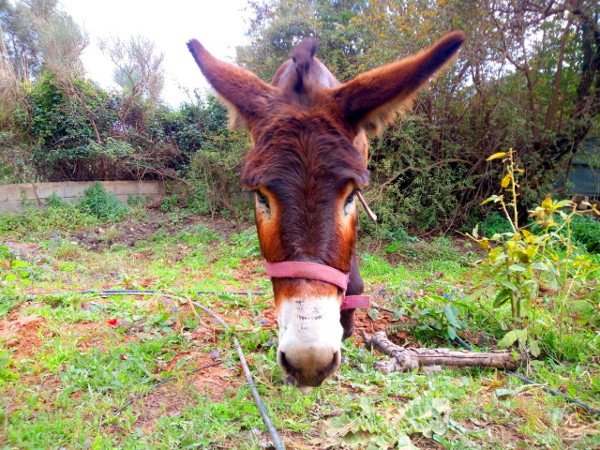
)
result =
(319, 272)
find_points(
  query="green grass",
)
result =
(72, 360)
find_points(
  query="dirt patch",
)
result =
(24, 250)
(172, 399)
(133, 229)
(23, 335)
(250, 269)
(126, 233)
(91, 335)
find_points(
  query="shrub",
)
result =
(586, 232)
(102, 204)
(169, 203)
(494, 224)
(54, 201)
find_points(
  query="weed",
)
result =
(66, 217)
(521, 262)
(54, 201)
(246, 242)
(136, 201)
(102, 204)
(6, 372)
(169, 203)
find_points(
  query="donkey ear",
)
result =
(245, 95)
(373, 99)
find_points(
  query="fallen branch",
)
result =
(407, 359)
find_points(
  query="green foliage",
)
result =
(214, 175)
(65, 128)
(66, 218)
(54, 201)
(585, 230)
(368, 427)
(246, 242)
(169, 203)
(102, 204)
(494, 224)
(14, 273)
(6, 372)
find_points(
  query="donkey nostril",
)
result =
(285, 364)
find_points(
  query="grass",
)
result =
(68, 362)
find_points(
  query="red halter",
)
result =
(320, 272)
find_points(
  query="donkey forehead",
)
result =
(304, 150)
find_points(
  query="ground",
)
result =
(91, 371)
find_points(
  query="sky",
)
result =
(219, 25)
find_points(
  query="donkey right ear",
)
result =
(245, 95)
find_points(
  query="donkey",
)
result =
(306, 169)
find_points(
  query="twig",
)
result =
(382, 308)
(277, 442)
(370, 213)
(160, 383)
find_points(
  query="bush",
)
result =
(494, 224)
(169, 203)
(54, 201)
(102, 204)
(586, 232)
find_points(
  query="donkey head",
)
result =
(308, 161)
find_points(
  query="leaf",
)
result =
(451, 332)
(506, 180)
(503, 296)
(510, 285)
(563, 203)
(539, 266)
(517, 268)
(404, 443)
(509, 339)
(500, 393)
(496, 156)
(522, 337)
(484, 244)
(493, 198)
(534, 349)
(449, 313)
(373, 314)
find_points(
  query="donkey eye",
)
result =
(262, 199)
(349, 200)
(348, 203)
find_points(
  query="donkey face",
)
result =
(308, 161)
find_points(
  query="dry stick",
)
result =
(370, 213)
(406, 359)
(277, 442)
(160, 383)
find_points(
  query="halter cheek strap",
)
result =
(319, 272)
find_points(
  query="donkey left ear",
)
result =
(373, 99)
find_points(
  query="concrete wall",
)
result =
(14, 197)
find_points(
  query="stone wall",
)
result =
(14, 197)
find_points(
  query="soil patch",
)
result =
(133, 229)
(23, 335)
(172, 399)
